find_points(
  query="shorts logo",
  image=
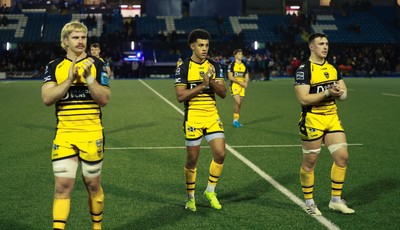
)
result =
(55, 147)
(326, 75)
(191, 129)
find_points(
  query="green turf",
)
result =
(145, 187)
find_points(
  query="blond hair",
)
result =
(69, 28)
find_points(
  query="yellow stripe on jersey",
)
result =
(318, 76)
(189, 75)
(239, 71)
(76, 112)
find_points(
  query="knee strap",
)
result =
(91, 170)
(311, 151)
(333, 148)
(65, 168)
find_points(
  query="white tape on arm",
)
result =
(89, 80)
(343, 96)
(327, 94)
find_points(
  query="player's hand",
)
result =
(336, 86)
(73, 71)
(208, 75)
(334, 90)
(87, 66)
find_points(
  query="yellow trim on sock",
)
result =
(215, 172)
(190, 175)
(61, 208)
(338, 175)
(96, 207)
(307, 183)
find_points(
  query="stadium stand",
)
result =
(162, 39)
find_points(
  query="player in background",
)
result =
(95, 51)
(179, 62)
(78, 86)
(197, 82)
(317, 86)
(239, 76)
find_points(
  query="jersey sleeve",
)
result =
(181, 73)
(219, 73)
(302, 76)
(230, 67)
(49, 74)
(339, 75)
(101, 72)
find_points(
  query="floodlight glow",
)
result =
(132, 45)
(256, 45)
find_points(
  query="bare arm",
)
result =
(183, 94)
(246, 80)
(100, 94)
(108, 71)
(231, 78)
(341, 86)
(53, 92)
(219, 87)
(305, 98)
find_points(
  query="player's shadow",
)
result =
(359, 197)
(249, 191)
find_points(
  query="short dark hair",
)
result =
(198, 34)
(314, 36)
(237, 51)
(95, 45)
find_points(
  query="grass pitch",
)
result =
(143, 169)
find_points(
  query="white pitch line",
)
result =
(391, 94)
(324, 221)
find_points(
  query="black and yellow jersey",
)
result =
(188, 74)
(105, 61)
(76, 112)
(318, 76)
(239, 70)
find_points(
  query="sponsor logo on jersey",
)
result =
(300, 76)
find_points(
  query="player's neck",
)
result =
(238, 61)
(317, 60)
(71, 56)
(197, 59)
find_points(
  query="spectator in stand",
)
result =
(4, 20)
(295, 63)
